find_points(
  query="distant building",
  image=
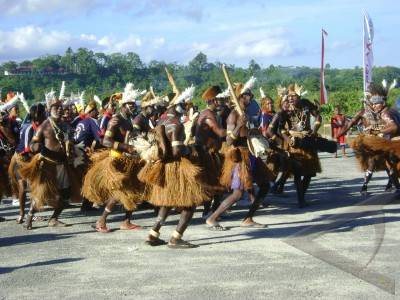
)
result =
(28, 70)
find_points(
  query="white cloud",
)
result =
(247, 45)
(24, 7)
(31, 41)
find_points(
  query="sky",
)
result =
(284, 32)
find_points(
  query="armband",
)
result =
(177, 143)
(109, 133)
(231, 135)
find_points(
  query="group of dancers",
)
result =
(161, 150)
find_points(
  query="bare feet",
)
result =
(249, 223)
(154, 241)
(101, 227)
(28, 222)
(56, 223)
(130, 226)
(20, 219)
(180, 244)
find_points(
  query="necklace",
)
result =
(59, 133)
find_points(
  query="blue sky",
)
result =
(282, 32)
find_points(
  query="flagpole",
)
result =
(368, 36)
(323, 96)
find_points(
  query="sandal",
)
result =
(39, 219)
(216, 227)
(180, 244)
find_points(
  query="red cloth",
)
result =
(337, 123)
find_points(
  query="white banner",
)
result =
(368, 55)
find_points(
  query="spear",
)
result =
(231, 90)
(152, 92)
(172, 82)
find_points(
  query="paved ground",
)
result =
(343, 245)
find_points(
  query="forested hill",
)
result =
(102, 74)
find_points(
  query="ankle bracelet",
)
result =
(154, 233)
(176, 235)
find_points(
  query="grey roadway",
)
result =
(342, 246)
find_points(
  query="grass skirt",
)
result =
(113, 178)
(175, 183)
(367, 146)
(41, 174)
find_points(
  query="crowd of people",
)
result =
(135, 146)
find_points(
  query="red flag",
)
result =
(323, 94)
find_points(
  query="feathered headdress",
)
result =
(262, 94)
(51, 98)
(241, 88)
(187, 95)
(379, 93)
(282, 96)
(282, 91)
(248, 85)
(391, 87)
(130, 95)
(62, 91)
(23, 101)
(183, 97)
(223, 95)
(296, 89)
(150, 99)
(9, 104)
(97, 99)
(211, 92)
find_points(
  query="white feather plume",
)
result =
(303, 93)
(262, 93)
(249, 84)
(81, 100)
(186, 95)
(50, 96)
(23, 101)
(9, 103)
(384, 84)
(224, 94)
(393, 85)
(130, 95)
(62, 91)
(97, 99)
